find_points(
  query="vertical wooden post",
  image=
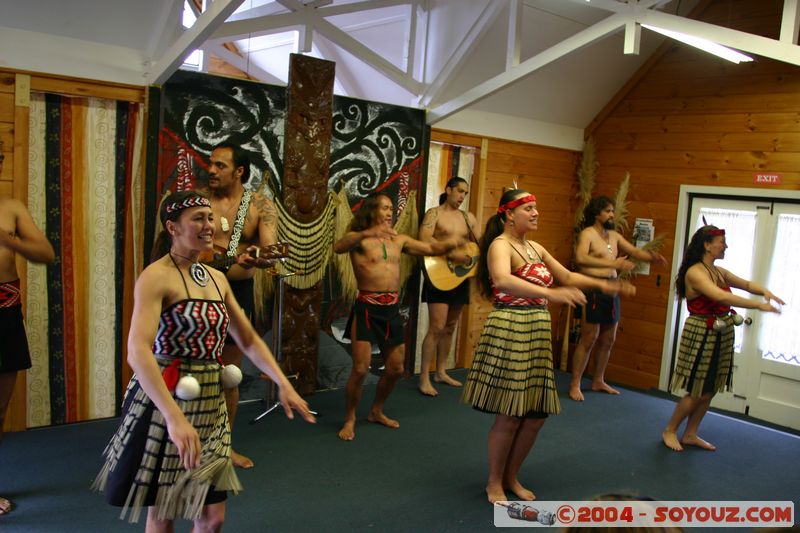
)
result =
(307, 148)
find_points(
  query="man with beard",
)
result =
(244, 221)
(600, 253)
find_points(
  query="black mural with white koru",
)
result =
(375, 147)
(201, 111)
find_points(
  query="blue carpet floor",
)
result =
(429, 475)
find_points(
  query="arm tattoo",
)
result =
(268, 216)
(266, 211)
(430, 218)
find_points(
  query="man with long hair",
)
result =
(446, 221)
(601, 253)
(375, 248)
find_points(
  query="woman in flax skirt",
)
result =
(705, 356)
(512, 372)
(171, 452)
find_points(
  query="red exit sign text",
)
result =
(767, 179)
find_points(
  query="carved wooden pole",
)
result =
(307, 148)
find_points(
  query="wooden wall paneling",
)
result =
(746, 161)
(7, 140)
(736, 83)
(691, 118)
(779, 141)
(7, 82)
(705, 123)
(74, 87)
(743, 103)
(6, 107)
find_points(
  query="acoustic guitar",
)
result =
(446, 275)
(221, 261)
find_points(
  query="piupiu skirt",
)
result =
(143, 467)
(705, 357)
(512, 372)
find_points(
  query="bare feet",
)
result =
(694, 440)
(604, 387)
(240, 461)
(575, 393)
(447, 380)
(521, 492)
(495, 494)
(348, 431)
(670, 439)
(5, 506)
(377, 417)
(427, 389)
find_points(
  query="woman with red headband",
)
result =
(705, 355)
(512, 372)
(172, 451)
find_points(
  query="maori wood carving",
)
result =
(307, 148)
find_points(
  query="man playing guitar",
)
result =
(445, 222)
(250, 221)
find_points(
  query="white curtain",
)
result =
(780, 335)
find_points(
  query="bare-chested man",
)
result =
(447, 221)
(255, 228)
(375, 250)
(18, 235)
(600, 253)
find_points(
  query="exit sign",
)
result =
(767, 179)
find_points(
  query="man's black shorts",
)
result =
(601, 308)
(457, 296)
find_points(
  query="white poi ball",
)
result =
(188, 388)
(737, 320)
(719, 324)
(231, 376)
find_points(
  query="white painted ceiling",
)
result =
(447, 56)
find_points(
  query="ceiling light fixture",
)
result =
(703, 44)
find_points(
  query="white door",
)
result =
(760, 238)
(773, 376)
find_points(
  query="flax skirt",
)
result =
(142, 466)
(512, 372)
(705, 357)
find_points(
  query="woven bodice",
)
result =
(192, 329)
(536, 273)
(703, 305)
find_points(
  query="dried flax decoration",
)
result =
(586, 180)
(341, 262)
(621, 204)
(408, 224)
